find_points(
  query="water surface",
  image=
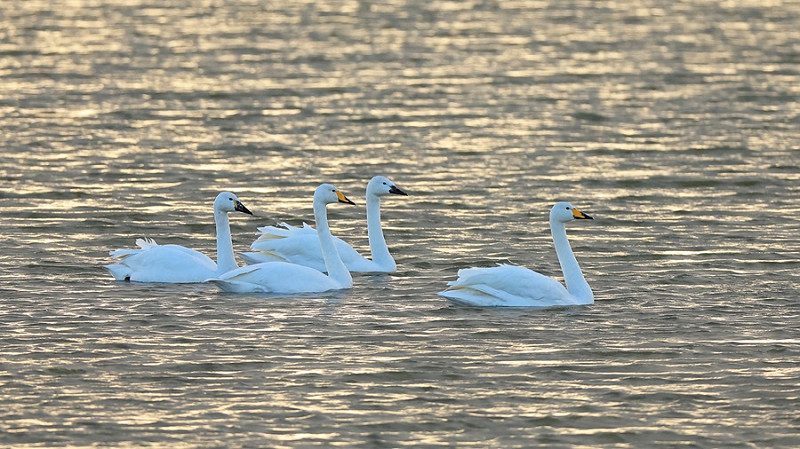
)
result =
(673, 123)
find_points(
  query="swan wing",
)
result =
(161, 263)
(507, 286)
(275, 277)
(283, 230)
(301, 248)
(300, 245)
(254, 257)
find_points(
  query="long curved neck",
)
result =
(573, 277)
(333, 262)
(226, 261)
(377, 243)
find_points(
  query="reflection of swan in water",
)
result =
(178, 264)
(300, 245)
(513, 286)
(289, 278)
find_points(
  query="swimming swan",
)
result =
(300, 245)
(513, 286)
(175, 263)
(289, 278)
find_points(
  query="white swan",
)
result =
(301, 245)
(178, 264)
(513, 286)
(289, 278)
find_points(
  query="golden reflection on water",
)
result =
(126, 118)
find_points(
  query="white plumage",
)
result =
(288, 278)
(177, 264)
(300, 245)
(514, 286)
(277, 277)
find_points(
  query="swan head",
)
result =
(564, 212)
(228, 202)
(382, 186)
(328, 194)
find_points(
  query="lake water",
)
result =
(674, 123)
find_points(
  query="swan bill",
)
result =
(240, 208)
(580, 215)
(343, 199)
(397, 191)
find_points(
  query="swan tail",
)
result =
(143, 244)
(146, 243)
(121, 272)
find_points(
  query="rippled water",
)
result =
(674, 123)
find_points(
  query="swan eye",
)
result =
(384, 183)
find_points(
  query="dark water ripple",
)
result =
(673, 123)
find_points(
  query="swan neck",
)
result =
(573, 276)
(377, 242)
(333, 262)
(226, 261)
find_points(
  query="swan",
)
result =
(177, 264)
(289, 278)
(300, 245)
(513, 286)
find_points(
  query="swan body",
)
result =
(288, 278)
(514, 286)
(152, 262)
(300, 245)
(277, 277)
